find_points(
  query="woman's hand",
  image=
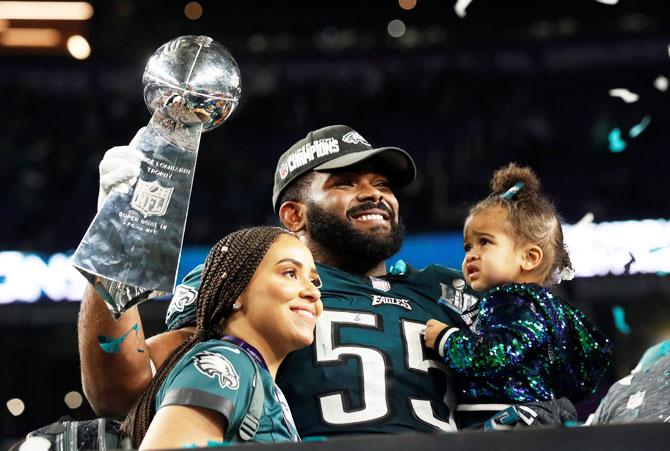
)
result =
(433, 329)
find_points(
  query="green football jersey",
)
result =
(368, 369)
(219, 375)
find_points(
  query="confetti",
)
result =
(608, 2)
(651, 355)
(661, 83)
(616, 143)
(624, 94)
(398, 268)
(586, 219)
(660, 248)
(113, 345)
(635, 131)
(620, 320)
(460, 7)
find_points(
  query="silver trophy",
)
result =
(131, 250)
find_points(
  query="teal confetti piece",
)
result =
(662, 273)
(660, 248)
(572, 424)
(654, 353)
(398, 268)
(635, 131)
(113, 345)
(620, 320)
(616, 143)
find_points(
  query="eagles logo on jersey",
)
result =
(217, 366)
(183, 296)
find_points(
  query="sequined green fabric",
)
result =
(527, 345)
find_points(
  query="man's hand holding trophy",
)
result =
(131, 249)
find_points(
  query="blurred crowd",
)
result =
(459, 118)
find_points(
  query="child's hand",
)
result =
(433, 329)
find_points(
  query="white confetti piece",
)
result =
(624, 94)
(587, 219)
(608, 2)
(460, 7)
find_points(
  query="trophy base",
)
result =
(119, 296)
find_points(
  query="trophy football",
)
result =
(131, 250)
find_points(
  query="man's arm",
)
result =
(112, 381)
(114, 374)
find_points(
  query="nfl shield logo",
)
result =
(283, 171)
(150, 198)
(380, 284)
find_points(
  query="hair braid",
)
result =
(229, 267)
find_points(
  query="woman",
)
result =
(259, 300)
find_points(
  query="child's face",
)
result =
(491, 257)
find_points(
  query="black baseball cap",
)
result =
(336, 147)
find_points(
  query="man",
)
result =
(368, 370)
(642, 396)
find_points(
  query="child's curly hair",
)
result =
(532, 217)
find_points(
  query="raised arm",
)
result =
(114, 370)
(115, 373)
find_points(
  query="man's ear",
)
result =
(293, 215)
(531, 257)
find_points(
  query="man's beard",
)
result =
(355, 251)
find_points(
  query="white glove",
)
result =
(120, 168)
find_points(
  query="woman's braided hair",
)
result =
(532, 216)
(228, 269)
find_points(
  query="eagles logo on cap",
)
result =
(354, 138)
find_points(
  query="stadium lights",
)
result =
(30, 37)
(78, 47)
(16, 10)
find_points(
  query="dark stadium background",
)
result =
(523, 81)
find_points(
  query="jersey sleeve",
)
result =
(216, 377)
(507, 329)
(182, 309)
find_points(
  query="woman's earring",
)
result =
(237, 306)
